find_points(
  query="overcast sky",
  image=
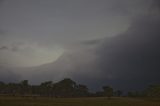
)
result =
(95, 39)
(37, 32)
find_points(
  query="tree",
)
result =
(35, 89)
(24, 87)
(118, 93)
(153, 91)
(2, 87)
(131, 94)
(81, 91)
(46, 88)
(13, 88)
(99, 94)
(108, 91)
(64, 88)
(135, 94)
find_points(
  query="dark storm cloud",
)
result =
(156, 3)
(133, 58)
(7, 74)
(127, 61)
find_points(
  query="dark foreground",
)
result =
(42, 101)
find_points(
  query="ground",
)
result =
(98, 101)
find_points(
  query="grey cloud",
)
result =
(11, 48)
(129, 61)
(1, 1)
(133, 57)
(16, 46)
(2, 32)
(92, 42)
(8, 75)
(156, 3)
(4, 48)
(59, 21)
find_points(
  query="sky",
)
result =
(95, 42)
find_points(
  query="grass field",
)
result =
(40, 101)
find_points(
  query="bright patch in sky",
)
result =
(25, 55)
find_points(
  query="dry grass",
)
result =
(42, 101)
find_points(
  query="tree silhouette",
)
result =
(68, 88)
(118, 93)
(81, 90)
(46, 88)
(153, 91)
(64, 88)
(24, 87)
(108, 91)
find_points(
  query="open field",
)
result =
(42, 101)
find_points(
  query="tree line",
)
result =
(68, 88)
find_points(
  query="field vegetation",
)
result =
(89, 101)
